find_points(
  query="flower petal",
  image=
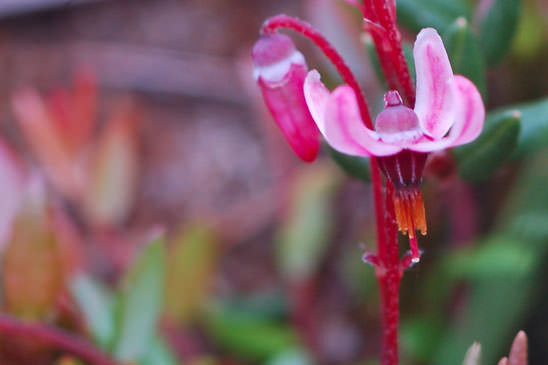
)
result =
(344, 129)
(316, 95)
(470, 112)
(434, 103)
(469, 118)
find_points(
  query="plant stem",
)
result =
(389, 277)
(379, 11)
(54, 337)
(285, 21)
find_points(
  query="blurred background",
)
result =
(152, 209)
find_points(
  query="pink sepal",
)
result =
(435, 88)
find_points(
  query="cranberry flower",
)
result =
(448, 112)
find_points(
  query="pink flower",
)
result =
(448, 112)
(280, 71)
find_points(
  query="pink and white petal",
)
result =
(469, 118)
(469, 113)
(344, 129)
(434, 102)
(316, 95)
(427, 145)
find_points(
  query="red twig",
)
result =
(285, 21)
(55, 337)
(389, 275)
(391, 57)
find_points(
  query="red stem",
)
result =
(389, 277)
(379, 11)
(54, 337)
(285, 21)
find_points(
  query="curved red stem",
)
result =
(55, 337)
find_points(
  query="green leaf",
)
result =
(159, 354)
(497, 305)
(141, 303)
(355, 166)
(534, 125)
(418, 14)
(249, 336)
(420, 336)
(96, 305)
(304, 234)
(496, 257)
(498, 28)
(465, 53)
(525, 212)
(480, 159)
(192, 264)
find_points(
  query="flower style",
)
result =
(448, 112)
(280, 71)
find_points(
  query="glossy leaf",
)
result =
(507, 298)
(141, 303)
(480, 159)
(305, 231)
(526, 210)
(249, 336)
(96, 305)
(534, 125)
(418, 14)
(465, 53)
(191, 264)
(498, 27)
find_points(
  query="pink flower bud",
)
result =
(280, 71)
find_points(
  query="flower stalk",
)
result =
(447, 111)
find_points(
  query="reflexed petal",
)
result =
(470, 112)
(469, 118)
(434, 103)
(344, 129)
(316, 95)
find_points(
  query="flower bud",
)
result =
(280, 71)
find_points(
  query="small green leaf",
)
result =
(141, 303)
(249, 336)
(159, 354)
(498, 28)
(420, 336)
(305, 232)
(418, 14)
(191, 266)
(534, 125)
(355, 166)
(497, 257)
(96, 305)
(465, 53)
(480, 159)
